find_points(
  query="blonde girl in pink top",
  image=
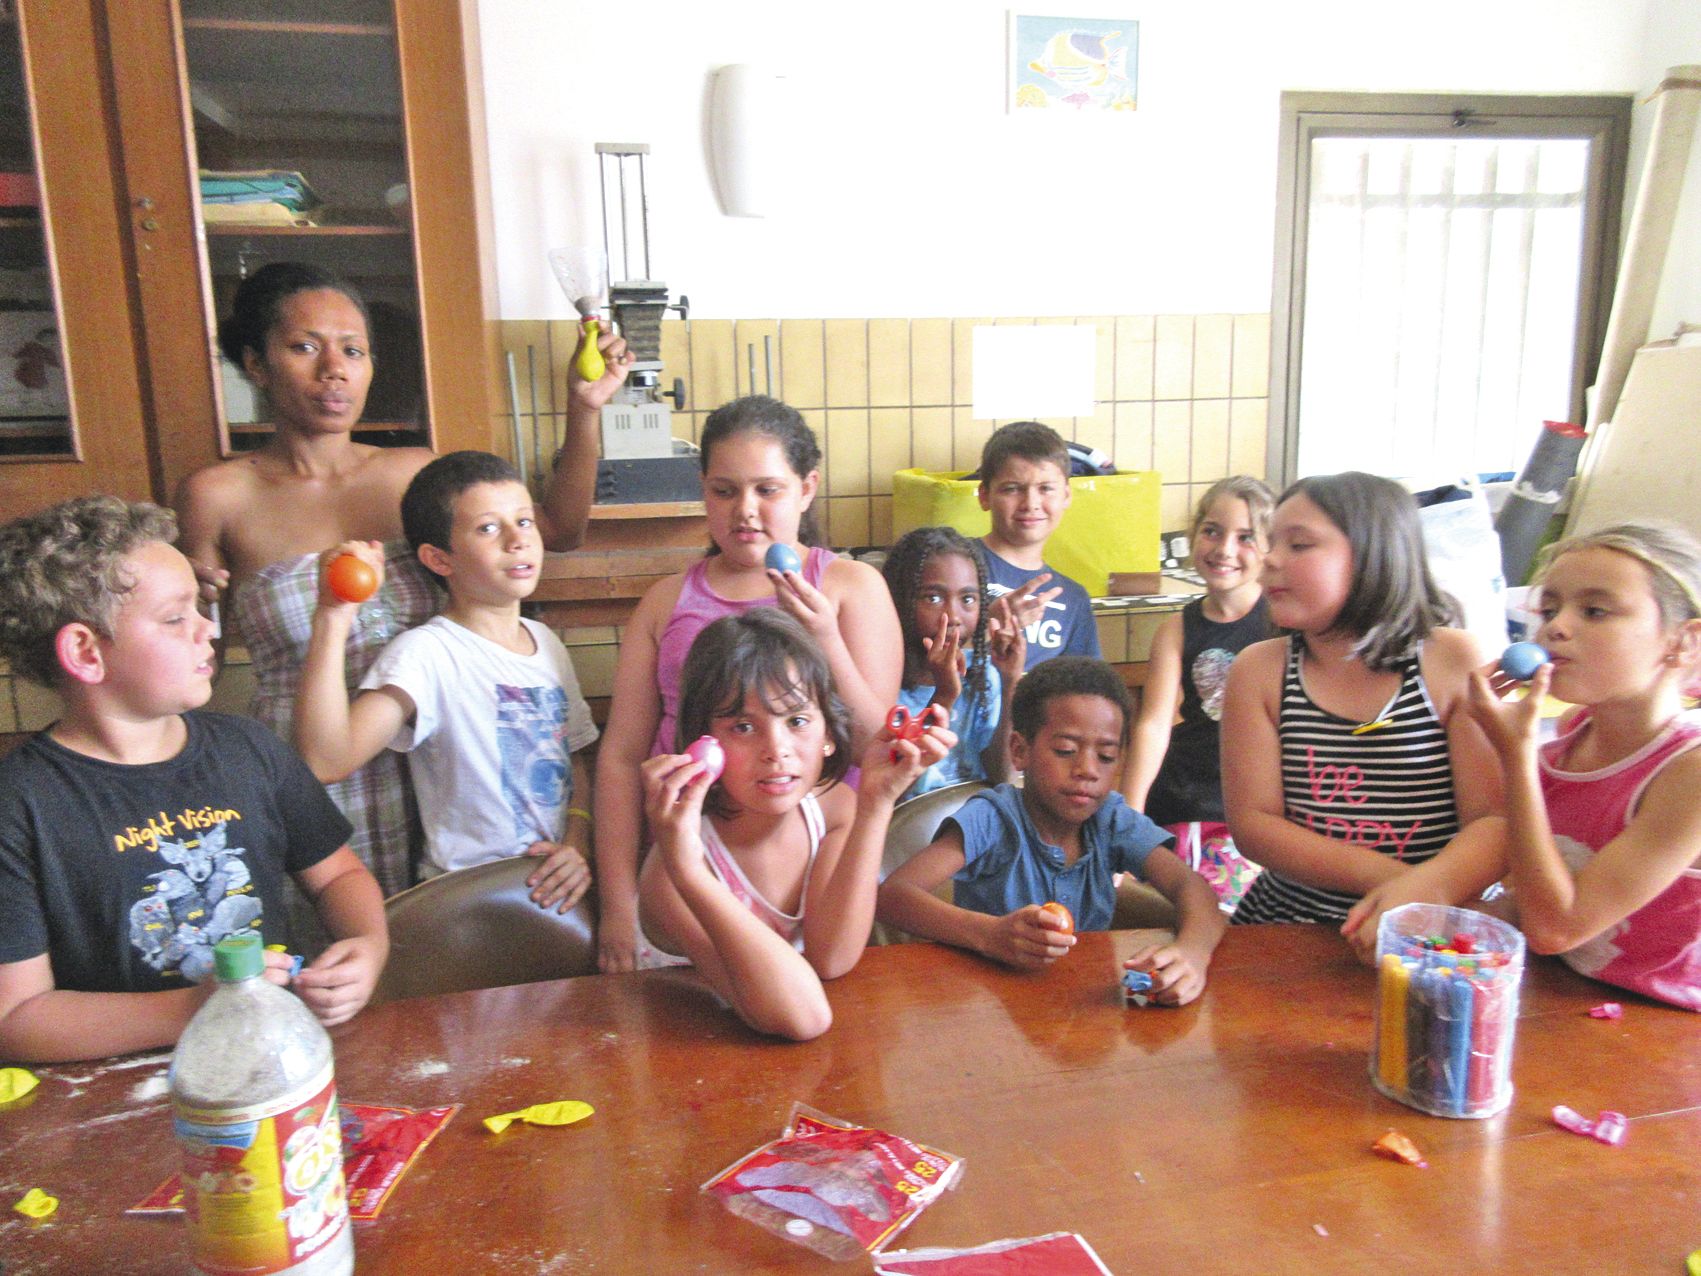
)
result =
(764, 878)
(761, 469)
(1605, 839)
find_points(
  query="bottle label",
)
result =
(263, 1184)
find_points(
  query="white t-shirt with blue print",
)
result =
(1008, 865)
(491, 741)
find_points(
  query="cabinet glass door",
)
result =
(35, 413)
(300, 149)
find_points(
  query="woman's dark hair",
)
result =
(759, 414)
(1066, 676)
(903, 572)
(766, 651)
(1393, 601)
(428, 504)
(260, 297)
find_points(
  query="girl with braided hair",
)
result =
(962, 652)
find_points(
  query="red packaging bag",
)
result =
(842, 1190)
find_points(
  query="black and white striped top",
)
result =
(1389, 787)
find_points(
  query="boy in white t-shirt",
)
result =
(483, 701)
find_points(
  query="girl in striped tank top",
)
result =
(1352, 769)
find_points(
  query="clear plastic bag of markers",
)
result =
(843, 1190)
(1446, 1009)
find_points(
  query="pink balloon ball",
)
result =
(707, 750)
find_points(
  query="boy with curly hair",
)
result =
(137, 831)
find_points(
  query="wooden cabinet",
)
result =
(375, 102)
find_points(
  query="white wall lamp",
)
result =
(746, 124)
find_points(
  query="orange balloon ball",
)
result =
(1062, 914)
(350, 579)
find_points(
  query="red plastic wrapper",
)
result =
(379, 1144)
(1056, 1254)
(843, 1190)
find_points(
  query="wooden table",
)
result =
(1232, 1136)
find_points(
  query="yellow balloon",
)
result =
(561, 1112)
(591, 363)
(15, 1083)
(37, 1204)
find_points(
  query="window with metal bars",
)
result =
(1443, 271)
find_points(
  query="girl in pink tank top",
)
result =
(761, 469)
(1605, 841)
(764, 876)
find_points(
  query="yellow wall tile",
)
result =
(930, 362)
(847, 363)
(1175, 507)
(1135, 347)
(594, 667)
(889, 362)
(848, 521)
(751, 358)
(1251, 360)
(1210, 437)
(1098, 430)
(1172, 430)
(563, 343)
(8, 710)
(963, 359)
(1213, 337)
(517, 335)
(711, 364)
(38, 708)
(1113, 637)
(676, 352)
(1248, 436)
(816, 420)
(1172, 368)
(1142, 628)
(802, 370)
(968, 437)
(880, 521)
(233, 690)
(930, 433)
(846, 471)
(1133, 436)
(1104, 356)
(889, 446)
(588, 635)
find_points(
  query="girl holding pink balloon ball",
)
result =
(764, 869)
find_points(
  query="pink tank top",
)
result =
(1657, 949)
(697, 608)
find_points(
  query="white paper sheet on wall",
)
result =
(1033, 371)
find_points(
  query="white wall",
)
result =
(914, 192)
(1672, 38)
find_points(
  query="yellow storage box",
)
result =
(1111, 524)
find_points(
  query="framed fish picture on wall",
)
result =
(1073, 64)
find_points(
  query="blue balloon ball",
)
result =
(1522, 659)
(782, 558)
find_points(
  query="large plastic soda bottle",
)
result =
(258, 1125)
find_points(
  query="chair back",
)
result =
(915, 823)
(478, 928)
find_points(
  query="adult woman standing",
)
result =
(255, 525)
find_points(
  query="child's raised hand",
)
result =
(617, 359)
(815, 611)
(1006, 641)
(341, 979)
(562, 878)
(945, 661)
(1026, 605)
(1029, 938)
(337, 581)
(211, 580)
(1512, 726)
(890, 766)
(674, 787)
(1178, 973)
